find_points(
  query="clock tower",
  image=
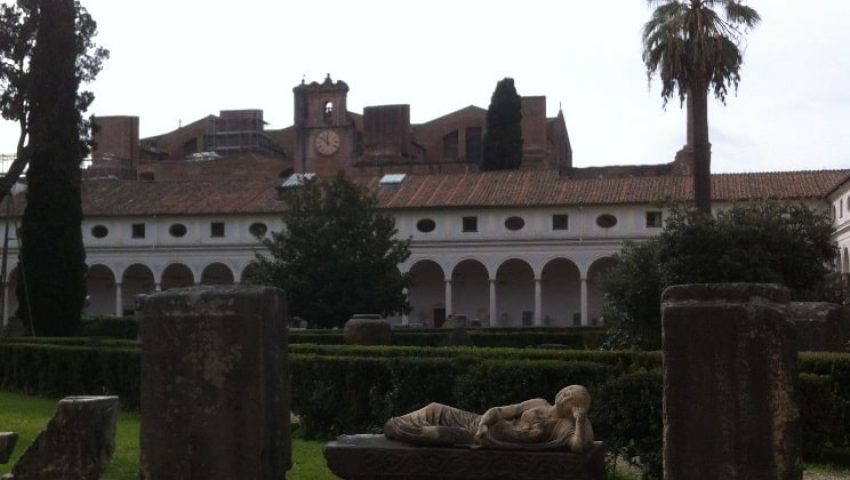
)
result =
(324, 133)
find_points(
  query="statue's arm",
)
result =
(509, 412)
(582, 437)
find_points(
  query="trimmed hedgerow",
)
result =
(56, 370)
(108, 326)
(334, 395)
(572, 337)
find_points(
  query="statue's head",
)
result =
(574, 396)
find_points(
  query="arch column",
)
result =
(584, 319)
(448, 297)
(538, 302)
(119, 307)
(493, 312)
(404, 318)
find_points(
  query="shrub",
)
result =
(627, 415)
(108, 326)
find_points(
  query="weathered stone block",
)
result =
(7, 445)
(78, 442)
(821, 326)
(730, 371)
(375, 457)
(367, 330)
(214, 398)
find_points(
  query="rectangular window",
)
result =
(450, 148)
(473, 145)
(470, 224)
(654, 220)
(138, 230)
(217, 229)
(560, 221)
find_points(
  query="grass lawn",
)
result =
(27, 416)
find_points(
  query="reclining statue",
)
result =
(530, 425)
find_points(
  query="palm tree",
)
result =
(695, 49)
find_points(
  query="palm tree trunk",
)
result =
(698, 101)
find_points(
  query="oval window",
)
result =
(258, 229)
(514, 223)
(99, 231)
(606, 220)
(177, 230)
(426, 225)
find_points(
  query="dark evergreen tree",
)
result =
(337, 255)
(52, 286)
(503, 139)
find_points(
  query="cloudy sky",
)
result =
(179, 60)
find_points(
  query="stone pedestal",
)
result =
(730, 371)
(375, 457)
(7, 445)
(78, 442)
(214, 398)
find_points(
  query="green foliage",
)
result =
(57, 370)
(763, 242)
(822, 408)
(573, 338)
(503, 138)
(337, 255)
(51, 272)
(627, 414)
(690, 45)
(108, 326)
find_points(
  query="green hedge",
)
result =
(59, 371)
(108, 326)
(571, 337)
(341, 389)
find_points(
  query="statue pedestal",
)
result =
(375, 457)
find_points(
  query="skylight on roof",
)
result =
(297, 179)
(391, 179)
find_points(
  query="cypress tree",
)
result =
(503, 140)
(52, 289)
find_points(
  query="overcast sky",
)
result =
(179, 60)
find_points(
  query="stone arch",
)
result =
(100, 285)
(176, 275)
(561, 291)
(427, 294)
(137, 279)
(471, 290)
(596, 274)
(514, 294)
(217, 274)
(250, 270)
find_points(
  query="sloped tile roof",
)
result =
(547, 188)
(491, 189)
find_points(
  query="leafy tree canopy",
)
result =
(337, 255)
(503, 139)
(19, 26)
(765, 241)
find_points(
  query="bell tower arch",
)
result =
(325, 134)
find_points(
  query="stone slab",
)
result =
(375, 457)
(821, 326)
(7, 445)
(78, 442)
(214, 399)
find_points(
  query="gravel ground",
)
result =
(825, 476)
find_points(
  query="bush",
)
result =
(108, 326)
(627, 415)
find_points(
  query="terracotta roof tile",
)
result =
(470, 190)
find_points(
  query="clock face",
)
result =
(327, 142)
